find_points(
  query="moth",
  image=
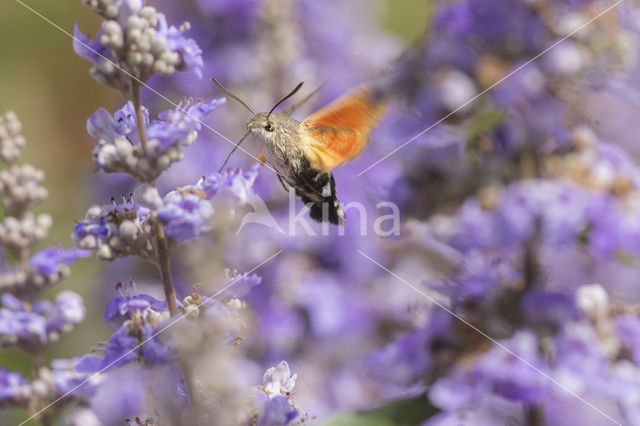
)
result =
(304, 153)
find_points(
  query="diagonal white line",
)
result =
(141, 82)
(497, 83)
(497, 343)
(171, 323)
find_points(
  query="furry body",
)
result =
(289, 156)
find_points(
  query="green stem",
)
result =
(163, 256)
(165, 269)
(534, 416)
(170, 294)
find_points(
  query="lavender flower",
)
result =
(27, 322)
(66, 379)
(125, 346)
(187, 215)
(136, 318)
(33, 326)
(517, 208)
(232, 183)
(50, 261)
(119, 149)
(129, 304)
(116, 230)
(14, 389)
(497, 371)
(273, 411)
(566, 213)
(137, 39)
(105, 65)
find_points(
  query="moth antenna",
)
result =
(233, 150)
(293, 92)
(295, 106)
(231, 95)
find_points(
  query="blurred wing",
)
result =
(339, 132)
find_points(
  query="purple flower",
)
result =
(186, 215)
(233, 183)
(105, 65)
(273, 411)
(496, 371)
(124, 307)
(68, 379)
(120, 349)
(548, 309)
(564, 212)
(500, 25)
(581, 360)
(136, 37)
(157, 349)
(67, 310)
(36, 325)
(25, 328)
(404, 361)
(115, 230)
(9, 301)
(122, 395)
(415, 355)
(241, 284)
(47, 262)
(560, 207)
(187, 211)
(136, 318)
(119, 148)
(14, 388)
(175, 126)
(85, 47)
(187, 48)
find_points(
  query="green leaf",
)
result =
(400, 412)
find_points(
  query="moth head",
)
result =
(268, 124)
(264, 124)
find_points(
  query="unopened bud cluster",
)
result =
(11, 140)
(21, 187)
(21, 229)
(18, 234)
(20, 190)
(145, 164)
(137, 39)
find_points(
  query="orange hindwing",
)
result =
(339, 132)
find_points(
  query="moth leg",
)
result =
(282, 182)
(310, 186)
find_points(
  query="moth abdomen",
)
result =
(317, 190)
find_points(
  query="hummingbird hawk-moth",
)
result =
(304, 153)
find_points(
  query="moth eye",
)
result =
(269, 127)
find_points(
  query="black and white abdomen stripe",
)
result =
(317, 190)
